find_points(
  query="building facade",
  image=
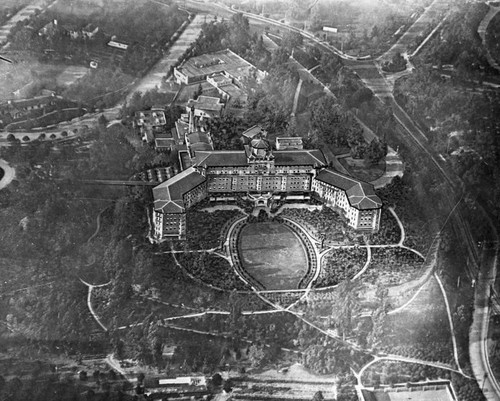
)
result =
(258, 170)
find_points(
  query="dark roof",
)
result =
(200, 146)
(361, 195)
(221, 158)
(198, 137)
(206, 103)
(314, 157)
(163, 142)
(253, 131)
(168, 196)
(227, 158)
(206, 64)
(165, 135)
(259, 144)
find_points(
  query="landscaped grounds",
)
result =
(273, 254)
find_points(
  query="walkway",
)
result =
(154, 77)
(450, 321)
(419, 26)
(478, 336)
(9, 174)
(481, 30)
(396, 358)
(89, 302)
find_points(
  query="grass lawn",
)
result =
(273, 255)
(362, 171)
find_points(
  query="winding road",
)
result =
(9, 174)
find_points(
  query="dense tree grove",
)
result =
(233, 34)
(459, 43)
(334, 125)
(461, 123)
(137, 25)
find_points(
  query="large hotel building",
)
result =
(261, 174)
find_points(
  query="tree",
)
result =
(11, 138)
(318, 396)
(291, 40)
(26, 138)
(217, 379)
(257, 355)
(376, 151)
(333, 125)
(346, 306)
(102, 120)
(198, 92)
(362, 95)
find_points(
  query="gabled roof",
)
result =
(207, 64)
(300, 157)
(259, 143)
(168, 196)
(228, 158)
(221, 158)
(253, 131)
(361, 195)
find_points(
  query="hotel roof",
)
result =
(206, 103)
(206, 64)
(254, 131)
(314, 157)
(228, 158)
(361, 195)
(221, 158)
(168, 196)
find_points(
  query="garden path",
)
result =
(89, 302)
(450, 321)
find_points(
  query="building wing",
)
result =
(168, 196)
(361, 195)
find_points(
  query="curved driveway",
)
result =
(9, 174)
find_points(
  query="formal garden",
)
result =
(324, 224)
(389, 232)
(205, 228)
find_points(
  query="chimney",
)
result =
(191, 120)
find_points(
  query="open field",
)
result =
(273, 255)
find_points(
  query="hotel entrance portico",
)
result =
(262, 200)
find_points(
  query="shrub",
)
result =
(26, 138)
